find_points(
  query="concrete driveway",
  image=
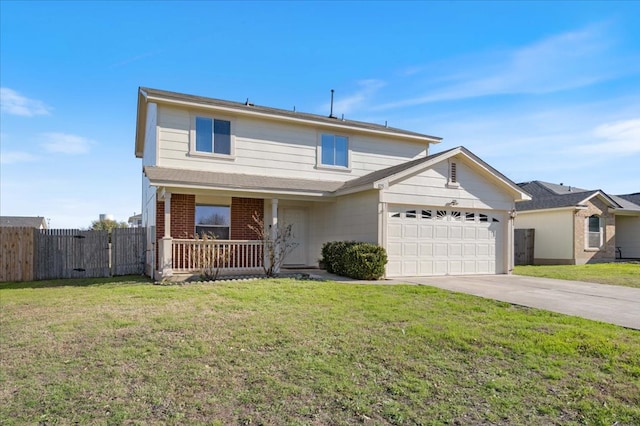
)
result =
(607, 303)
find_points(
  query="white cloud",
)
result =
(12, 102)
(16, 157)
(616, 138)
(346, 105)
(565, 61)
(65, 143)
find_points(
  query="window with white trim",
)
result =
(594, 232)
(211, 136)
(334, 150)
(213, 220)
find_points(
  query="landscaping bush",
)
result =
(363, 261)
(332, 253)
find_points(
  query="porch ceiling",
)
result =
(164, 176)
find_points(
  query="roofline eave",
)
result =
(422, 138)
(274, 192)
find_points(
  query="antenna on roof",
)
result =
(294, 108)
(247, 102)
(331, 112)
(385, 123)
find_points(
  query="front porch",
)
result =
(186, 248)
(225, 256)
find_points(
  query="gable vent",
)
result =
(453, 175)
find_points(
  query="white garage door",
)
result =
(435, 241)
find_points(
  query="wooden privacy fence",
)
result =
(16, 254)
(32, 254)
(523, 246)
(128, 247)
(71, 253)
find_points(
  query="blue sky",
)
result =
(540, 90)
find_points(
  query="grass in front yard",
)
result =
(297, 352)
(624, 274)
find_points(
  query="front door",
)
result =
(297, 218)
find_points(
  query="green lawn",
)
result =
(625, 274)
(302, 352)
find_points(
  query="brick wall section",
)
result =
(242, 210)
(183, 216)
(607, 252)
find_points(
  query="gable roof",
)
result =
(552, 196)
(146, 95)
(23, 221)
(415, 166)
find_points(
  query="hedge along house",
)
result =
(209, 165)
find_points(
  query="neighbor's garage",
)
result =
(443, 241)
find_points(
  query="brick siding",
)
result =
(242, 211)
(607, 251)
(183, 216)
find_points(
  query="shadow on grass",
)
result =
(76, 282)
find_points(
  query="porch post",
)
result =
(274, 229)
(166, 246)
(167, 215)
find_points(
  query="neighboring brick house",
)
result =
(209, 166)
(578, 226)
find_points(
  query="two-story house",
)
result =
(209, 165)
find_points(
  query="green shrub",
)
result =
(363, 261)
(332, 253)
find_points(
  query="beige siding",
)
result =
(430, 188)
(148, 192)
(554, 233)
(150, 153)
(353, 217)
(266, 147)
(628, 236)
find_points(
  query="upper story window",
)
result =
(334, 150)
(594, 232)
(214, 221)
(211, 136)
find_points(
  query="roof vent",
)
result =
(331, 111)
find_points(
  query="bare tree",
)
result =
(278, 243)
(209, 256)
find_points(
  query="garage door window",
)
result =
(426, 214)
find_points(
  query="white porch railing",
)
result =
(231, 256)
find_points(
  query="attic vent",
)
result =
(453, 175)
